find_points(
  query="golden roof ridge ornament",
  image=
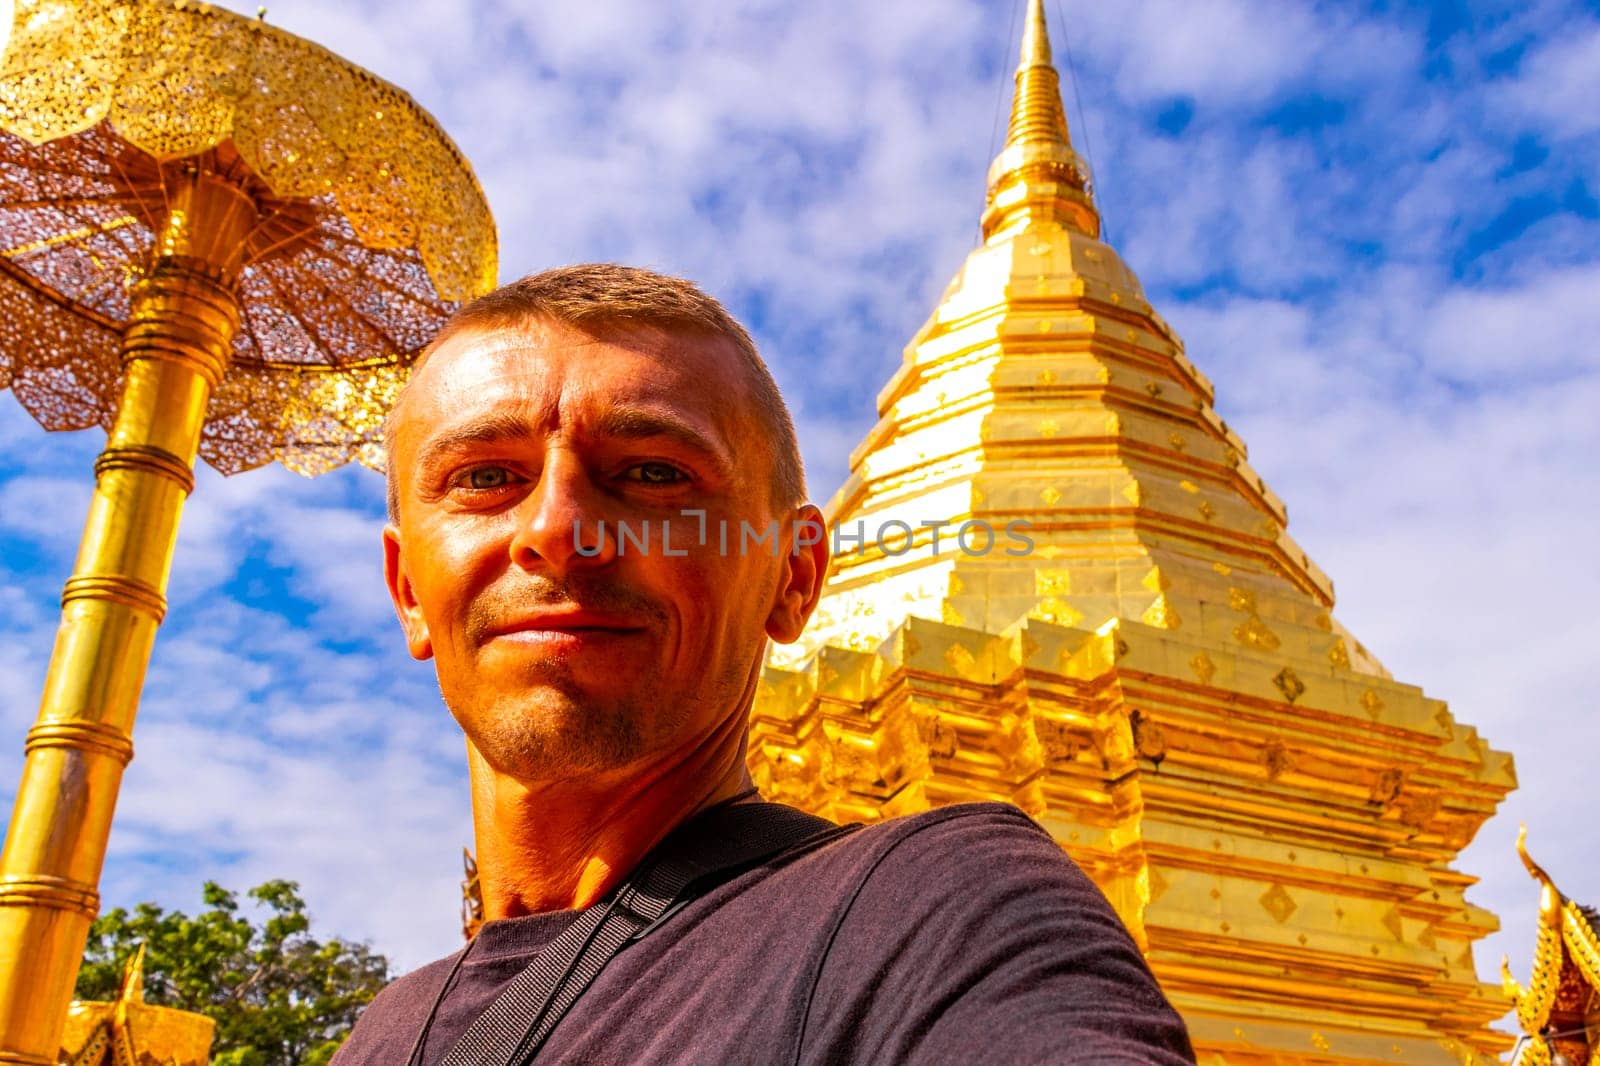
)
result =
(1559, 1009)
(1038, 176)
(130, 1032)
(131, 990)
(1536, 871)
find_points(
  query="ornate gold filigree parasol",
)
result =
(215, 238)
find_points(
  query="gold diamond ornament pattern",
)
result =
(1278, 903)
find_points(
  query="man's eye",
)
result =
(488, 477)
(656, 474)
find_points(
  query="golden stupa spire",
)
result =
(1036, 112)
(1037, 175)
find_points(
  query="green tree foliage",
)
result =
(279, 996)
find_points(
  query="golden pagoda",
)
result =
(1559, 1011)
(1059, 583)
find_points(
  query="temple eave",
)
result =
(1093, 723)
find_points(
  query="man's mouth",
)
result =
(565, 625)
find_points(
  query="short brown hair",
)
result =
(600, 297)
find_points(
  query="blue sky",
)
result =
(1377, 228)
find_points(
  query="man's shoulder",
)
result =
(423, 983)
(932, 852)
(951, 815)
(971, 920)
(389, 1023)
(962, 831)
(939, 874)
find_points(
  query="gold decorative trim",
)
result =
(82, 736)
(148, 459)
(57, 893)
(113, 588)
(1582, 943)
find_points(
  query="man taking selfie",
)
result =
(559, 467)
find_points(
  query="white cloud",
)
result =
(1546, 328)
(38, 507)
(341, 569)
(1233, 53)
(374, 840)
(1558, 81)
(1226, 51)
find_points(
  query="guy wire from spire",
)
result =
(1083, 123)
(1000, 96)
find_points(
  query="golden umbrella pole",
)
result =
(216, 240)
(175, 351)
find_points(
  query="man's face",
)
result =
(513, 450)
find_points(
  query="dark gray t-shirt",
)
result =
(961, 935)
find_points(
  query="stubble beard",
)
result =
(549, 726)
(555, 731)
(546, 724)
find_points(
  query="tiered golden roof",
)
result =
(1559, 1011)
(1155, 675)
(130, 1032)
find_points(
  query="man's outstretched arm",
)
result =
(976, 940)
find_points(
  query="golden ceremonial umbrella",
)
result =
(215, 238)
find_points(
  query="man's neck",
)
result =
(564, 845)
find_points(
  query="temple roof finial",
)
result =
(1036, 112)
(1550, 898)
(1038, 175)
(1035, 37)
(131, 988)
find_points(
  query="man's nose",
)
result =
(562, 523)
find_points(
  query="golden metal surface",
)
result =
(131, 1032)
(222, 240)
(1157, 679)
(1559, 1009)
(176, 346)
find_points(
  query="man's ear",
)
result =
(805, 569)
(405, 601)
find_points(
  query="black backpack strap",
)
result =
(713, 847)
